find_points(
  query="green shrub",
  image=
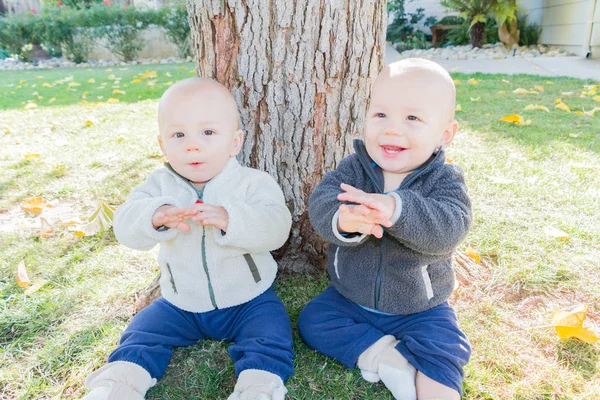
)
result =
(403, 31)
(18, 32)
(530, 34)
(174, 19)
(459, 35)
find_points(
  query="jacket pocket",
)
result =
(253, 267)
(427, 282)
(171, 278)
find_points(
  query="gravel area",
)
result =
(11, 63)
(496, 51)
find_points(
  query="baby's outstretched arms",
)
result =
(176, 217)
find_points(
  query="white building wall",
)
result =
(566, 23)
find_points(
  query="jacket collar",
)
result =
(230, 167)
(375, 173)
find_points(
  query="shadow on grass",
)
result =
(579, 356)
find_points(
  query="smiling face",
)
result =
(198, 124)
(411, 114)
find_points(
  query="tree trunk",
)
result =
(300, 71)
(477, 34)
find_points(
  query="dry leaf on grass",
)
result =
(22, 278)
(100, 220)
(35, 205)
(569, 323)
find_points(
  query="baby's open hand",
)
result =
(173, 217)
(209, 215)
(383, 204)
(356, 219)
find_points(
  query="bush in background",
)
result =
(174, 19)
(74, 29)
(403, 30)
(530, 34)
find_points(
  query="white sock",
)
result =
(368, 361)
(117, 381)
(256, 384)
(397, 374)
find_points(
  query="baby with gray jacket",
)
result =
(216, 223)
(393, 213)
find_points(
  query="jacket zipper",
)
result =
(381, 247)
(203, 246)
(205, 265)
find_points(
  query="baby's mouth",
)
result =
(195, 164)
(392, 151)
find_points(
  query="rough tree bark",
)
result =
(300, 71)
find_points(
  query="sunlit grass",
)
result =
(521, 180)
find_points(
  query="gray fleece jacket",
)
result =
(409, 269)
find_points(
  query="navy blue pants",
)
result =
(260, 330)
(430, 340)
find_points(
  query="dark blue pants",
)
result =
(431, 340)
(260, 329)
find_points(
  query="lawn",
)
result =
(523, 180)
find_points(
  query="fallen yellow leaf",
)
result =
(30, 106)
(117, 91)
(112, 100)
(34, 205)
(31, 156)
(470, 81)
(112, 77)
(562, 106)
(89, 122)
(475, 98)
(52, 100)
(22, 278)
(73, 84)
(549, 83)
(521, 91)
(456, 81)
(182, 68)
(539, 88)
(46, 229)
(569, 323)
(515, 119)
(505, 81)
(150, 74)
(555, 233)
(536, 107)
(92, 80)
(574, 135)
(502, 92)
(473, 254)
(458, 108)
(136, 81)
(566, 93)
(37, 285)
(596, 98)
(46, 84)
(449, 160)
(100, 220)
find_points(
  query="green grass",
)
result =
(66, 86)
(522, 179)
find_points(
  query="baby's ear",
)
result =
(236, 146)
(160, 143)
(449, 133)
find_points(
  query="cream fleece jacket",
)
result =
(204, 269)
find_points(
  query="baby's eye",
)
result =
(380, 115)
(208, 132)
(412, 118)
(178, 134)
